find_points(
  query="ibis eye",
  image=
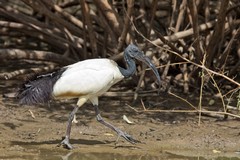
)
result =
(134, 50)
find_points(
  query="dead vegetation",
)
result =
(194, 43)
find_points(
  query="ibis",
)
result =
(85, 80)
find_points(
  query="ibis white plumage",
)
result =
(85, 80)
(91, 78)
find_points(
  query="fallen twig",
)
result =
(32, 115)
(185, 111)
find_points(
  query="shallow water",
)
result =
(109, 156)
(32, 152)
(48, 155)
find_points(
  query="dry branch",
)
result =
(122, 39)
(10, 75)
(50, 35)
(14, 54)
(186, 33)
(40, 7)
(194, 17)
(69, 17)
(216, 40)
(87, 19)
(180, 18)
(110, 15)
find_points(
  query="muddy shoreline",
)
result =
(35, 131)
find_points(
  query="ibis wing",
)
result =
(85, 82)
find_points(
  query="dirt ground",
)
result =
(33, 132)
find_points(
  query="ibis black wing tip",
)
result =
(39, 90)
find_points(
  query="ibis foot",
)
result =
(126, 136)
(120, 133)
(65, 143)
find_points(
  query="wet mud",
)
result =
(33, 132)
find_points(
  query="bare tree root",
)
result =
(10, 75)
(193, 43)
(11, 54)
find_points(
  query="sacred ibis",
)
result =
(85, 80)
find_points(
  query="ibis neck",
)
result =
(131, 66)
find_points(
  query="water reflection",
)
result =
(97, 156)
(53, 155)
(117, 156)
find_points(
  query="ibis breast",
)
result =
(87, 78)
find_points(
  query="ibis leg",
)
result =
(65, 141)
(109, 125)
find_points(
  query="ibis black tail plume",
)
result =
(39, 89)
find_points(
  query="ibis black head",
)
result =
(134, 52)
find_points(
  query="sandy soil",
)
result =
(33, 132)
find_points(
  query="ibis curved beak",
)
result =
(147, 61)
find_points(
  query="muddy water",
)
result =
(44, 154)
(74, 155)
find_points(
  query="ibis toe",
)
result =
(65, 143)
(127, 137)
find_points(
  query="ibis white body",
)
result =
(88, 79)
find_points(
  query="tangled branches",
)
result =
(184, 38)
